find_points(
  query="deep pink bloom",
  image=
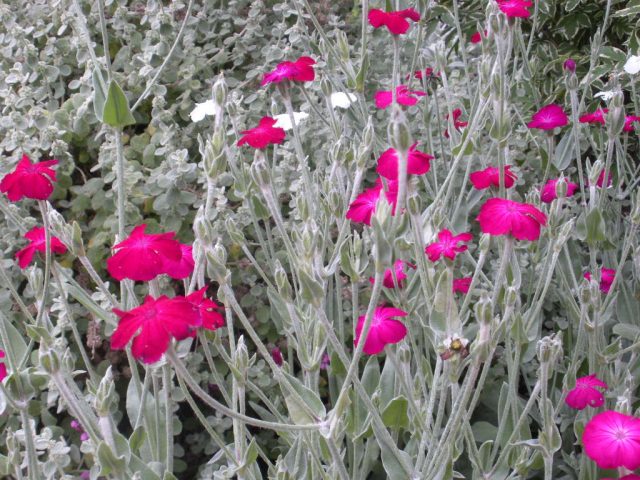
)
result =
(606, 278)
(586, 393)
(396, 22)
(299, 71)
(276, 355)
(153, 324)
(490, 176)
(601, 180)
(143, 256)
(3, 366)
(631, 476)
(404, 96)
(183, 267)
(499, 216)
(384, 329)
(262, 135)
(364, 206)
(569, 64)
(548, 192)
(477, 37)
(457, 113)
(427, 73)
(31, 180)
(207, 309)
(629, 120)
(612, 440)
(515, 8)
(594, 117)
(462, 284)
(398, 267)
(548, 118)
(417, 162)
(37, 244)
(447, 245)
(325, 362)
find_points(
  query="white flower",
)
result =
(283, 121)
(202, 109)
(633, 65)
(342, 99)
(606, 95)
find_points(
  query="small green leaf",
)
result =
(395, 414)
(595, 227)
(300, 413)
(564, 152)
(99, 94)
(116, 111)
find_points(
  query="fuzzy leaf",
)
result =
(116, 111)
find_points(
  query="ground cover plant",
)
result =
(352, 240)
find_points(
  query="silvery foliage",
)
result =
(47, 89)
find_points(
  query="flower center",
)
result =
(620, 434)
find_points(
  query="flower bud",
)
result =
(216, 261)
(260, 171)
(282, 281)
(234, 232)
(485, 242)
(595, 171)
(202, 228)
(325, 86)
(569, 65)
(561, 187)
(220, 91)
(635, 212)
(105, 395)
(49, 360)
(511, 296)
(549, 348)
(240, 361)
(484, 309)
(413, 204)
(615, 116)
(398, 131)
(343, 45)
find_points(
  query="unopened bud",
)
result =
(635, 212)
(282, 281)
(561, 187)
(595, 171)
(77, 245)
(569, 65)
(549, 348)
(216, 261)
(413, 204)
(343, 45)
(615, 116)
(105, 395)
(484, 309)
(485, 242)
(240, 361)
(220, 91)
(260, 171)
(325, 86)
(49, 360)
(234, 232)
(398, 131)
(511, 296)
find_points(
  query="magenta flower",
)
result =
(153, 324)
(364, 206)
(299, 71)
(417, 163)
(398, 267)
(3, 366)
(183, 267)
(142, 256)
(477, 37)
(31, 180)
(457, 113)
(206, 309)
(499, 216)
(396, 22)
(490, 176)
(606, 278)
(548, 118)
(629, 120)
(548, 192)
(448, 245)
(427, 73)
(263, 135)
(515, 8)
(601, 179)
(586, 393)
(594, 117)
(612, 440)
(384, 329)
(37, 244)
(462, 285)
(404, 96)
(631, 476)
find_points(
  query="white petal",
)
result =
(633, 65)
(342, 99)
(605, 95)
(202, 109)
(284, 121)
